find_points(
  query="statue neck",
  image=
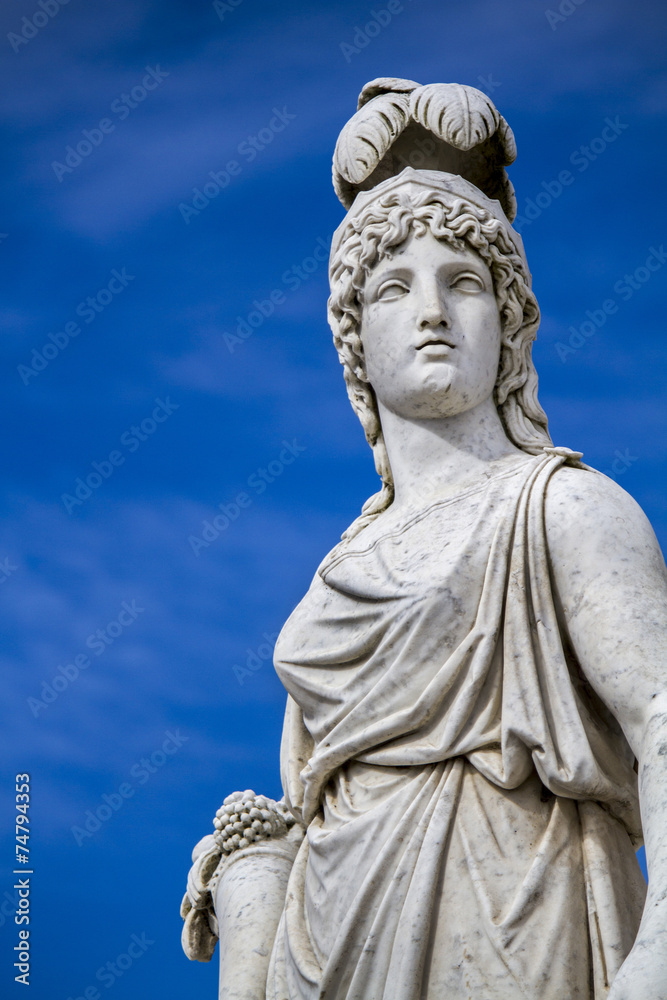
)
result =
(434, 457)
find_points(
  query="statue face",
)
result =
(430, 330)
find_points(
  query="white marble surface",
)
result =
(478, 664)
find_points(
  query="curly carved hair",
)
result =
(369, 238)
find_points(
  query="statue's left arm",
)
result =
(611, 580)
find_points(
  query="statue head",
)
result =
(457, 214)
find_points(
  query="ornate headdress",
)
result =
(452, 136)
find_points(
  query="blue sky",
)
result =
(157, 350)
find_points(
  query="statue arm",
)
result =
(611, 579)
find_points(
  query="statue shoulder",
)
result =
(590, 518)
(610, 583)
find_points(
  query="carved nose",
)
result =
(433, 313)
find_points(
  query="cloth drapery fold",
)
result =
(465, 793)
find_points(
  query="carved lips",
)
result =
(436, 346)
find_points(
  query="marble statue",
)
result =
(475, 740)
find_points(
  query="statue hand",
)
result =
(644, 972)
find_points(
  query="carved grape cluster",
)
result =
(245, 818)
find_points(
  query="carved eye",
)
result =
(390, 290)
(468, 282)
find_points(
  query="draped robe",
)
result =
(470, 805)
